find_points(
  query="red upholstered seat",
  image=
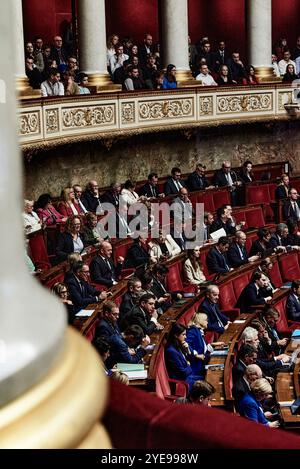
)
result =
(38, 251)
(250, 238)
(227, 299)
(90, 332)
(121, 248)
(255, 218)
(257, 194)
(239, 284)
(275, 275)
(174, 280)
(221, 197)
(57, 278)
(207, 199)
(163, 383)
(239, 215)
(289, 266)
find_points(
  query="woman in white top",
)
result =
(163, 247)
(128, 195)
(192, 268)
(30, 218)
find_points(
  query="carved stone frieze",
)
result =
(205, 105)
(52, 121)
(92, 116)
(128, 113)
(244, 103)
(166, 109)
(284, 97)
(29, 123)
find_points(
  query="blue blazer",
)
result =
(249, 297)
(250, 408)
(293, 308)
(197, 342)
(216, 262)
(81, 297)
(119, 352)
(213, 324)
(178, 367)
(234, 255)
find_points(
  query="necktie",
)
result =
(296, 209)
(220, 324)
(225, 263)
(152, 190)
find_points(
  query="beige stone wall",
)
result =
(50, 171)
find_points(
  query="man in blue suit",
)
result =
(216, 260)
(237, 254)
(217, 321)
(252, 294)
(293, 302)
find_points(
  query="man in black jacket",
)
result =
(251, 294)
(197, 181)
(293, 302)
(174, 183)
(150, 189)
(145, 315)
(216, 259)
(102, 268)
(130, 298)
(225, 177)
(237, 254)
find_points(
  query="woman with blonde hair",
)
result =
(60, 289)
(67, 205)
(71, 240)
(250, 405)
(196, 340)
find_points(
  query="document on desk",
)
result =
(219, 353)
(239, 321)
(215, 366)
(285, 403)
(136, 374)
(85, 313)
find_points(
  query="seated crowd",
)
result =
(55, 69)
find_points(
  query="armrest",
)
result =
(232, 314)
(126, 272)
(178, 388)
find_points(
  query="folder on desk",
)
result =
(133, 370)
(85, 313)
(296, 334)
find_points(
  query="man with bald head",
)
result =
(90, 198)
(226, 177)
(237, 254)
(102, 267)
(59, 54)
(217, 321)
(242, 385)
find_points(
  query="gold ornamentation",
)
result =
(205, 105)
(284, 97)
(175, 108)
(29, 123)
(52, 121)
(128, 110)
(93, 116)
(244, 103)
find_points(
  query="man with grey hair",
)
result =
(279, 240)
(226, 177)
(111, 196)
(102, 267)
(217, 321)
(242, 385)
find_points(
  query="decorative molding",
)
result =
(92, 116)
(166, 109)
(128, 113)
(244, 103)
(52, 120)
(284, 97)
(30, 123)
(205, 106)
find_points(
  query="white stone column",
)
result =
(92, 43)
(174, 22)
(259, 36)
(23, 87)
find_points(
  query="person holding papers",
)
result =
(129, 347)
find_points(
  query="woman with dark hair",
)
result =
(262, 245)
(178, 356)
(250, 77)
(128, 194)
(71, 240)
(169, 81)
(91, 232)
(192, 268)
(246, 174)
(290, 74)
(61, 290)
(46, 211)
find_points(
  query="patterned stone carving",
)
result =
(52, 121)
(29, 123)
(92, 116)
(205, 105)
(244, 103)
(284, 97)
(127, 113)
(166, 109)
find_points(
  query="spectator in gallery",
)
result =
(250, 77)
(246, 174)
(282, 65)
(205, 77)
(290, 74)
(52, 86)
(83, 81)
(169, 81)
(223, 78)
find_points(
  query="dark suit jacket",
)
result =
(195, 182)
(238, 371)
(245, 178)
(170, 187)
(239, 389)
(293, 308)
(178, 367)
(220, 60)
(280, 192)
(143, 55)
(234, 255)
(220, 178)
(101, 273)
(106, 329)
(89, 201)
(213, 324)
(136, 256)
(80, 297)
(65, 246)
(249, 297)
(288, 210)
(148, 190)
(218, 224)
(119, 352)
(257, 248)
(126, 306)
(216, 262)
(274, 241)
(138, 316)
(110, 197)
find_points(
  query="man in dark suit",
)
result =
(174, 182)
(81, 292)
(197, 181)
(102, 268)
(130, 298)
(221, 56)
(216, 259)
(247, 355)
(236, 67)
(111, 196)
(224, 177)
(137, 255)
(145, 315)
(150, 189)
(279, 240)
(90, 197)
(251, 294)
(237, 254)
(217, 322)
(293, 302)
(291, 207)
(107, 327)
(223, 221)
(133, 338)
(282, 190)
(269, 318)
(242, 385)
(145, 50)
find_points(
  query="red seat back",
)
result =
(275, 275)
(282, 324)
(174, 278)
(289, 266)
(121, 248)
(162, 386)
(254, 217)
(227, 296)
(207, 199)
(239, 283)
(257, 194)
(90, 332)
(239, 215)
(221, 197)
(38, 251)
(250, 238)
